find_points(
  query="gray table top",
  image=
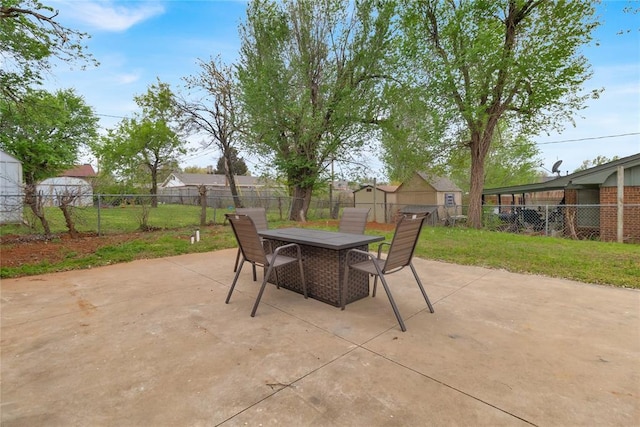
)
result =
(320, 238)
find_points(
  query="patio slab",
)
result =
(151, 342)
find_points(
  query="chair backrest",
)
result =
(258, 215)
(248, 239)
(404, 242)
(354, 220)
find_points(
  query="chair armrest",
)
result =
(268, 243)
(380, 248)
(358, 251)
(289, 245)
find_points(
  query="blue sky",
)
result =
(137, 42)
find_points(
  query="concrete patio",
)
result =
(151, 343)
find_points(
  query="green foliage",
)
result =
(310, 73)
(45, 131)
(30, 36)
(473, 64)
(511, 161)
(599, 160)
(143, 146)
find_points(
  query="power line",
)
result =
(587, 139)
(109, 115)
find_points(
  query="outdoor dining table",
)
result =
(323, 257)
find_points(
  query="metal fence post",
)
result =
(546, 220)
(99, 203)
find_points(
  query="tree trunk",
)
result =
(34, 201)
(66, 212)
(154, 188)
(300, 204)
(230, 174)
(479, 148)
(234, 191)
(66, 201)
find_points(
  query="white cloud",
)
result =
(127, 78)
(108, 17)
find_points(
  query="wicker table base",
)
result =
(324, 273)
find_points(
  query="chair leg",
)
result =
(424, 294)
(264, 284)
(255, 277)
(235, 266)
(235, 280)
(393, 303)
(375, 286)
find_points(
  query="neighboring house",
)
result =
(598, 185)
(420, 193)
(54, 189)
(177, 179)
(184, 188)
(11, 189)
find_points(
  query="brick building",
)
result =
(591, 199)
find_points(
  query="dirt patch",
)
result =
(17, 250)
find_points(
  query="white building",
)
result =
(11, 189)
(52, 189)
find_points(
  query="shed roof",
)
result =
(82, 171)
(595, 175)
(6, 157)
(383, 188)
(439, 183)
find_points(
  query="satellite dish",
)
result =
(556, 166)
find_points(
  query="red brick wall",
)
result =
(609, 214)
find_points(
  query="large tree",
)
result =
(30, 36)
(147, 144)
(213, 110)
(45, 131)
(512, 160)
(310, 73)
(475, 63)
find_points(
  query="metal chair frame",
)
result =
(252, 251)
(399, 256)
(259, 217)
(354, 220)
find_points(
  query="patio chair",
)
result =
(353, 220)
(400, 254)
(253, 252)
(259, 217)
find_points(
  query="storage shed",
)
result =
(52, 189)
(11, 189)
(378, 199)
(421, 192)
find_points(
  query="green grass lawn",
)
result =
(583, 260)
(118, 219)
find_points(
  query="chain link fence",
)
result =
(125, 213)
